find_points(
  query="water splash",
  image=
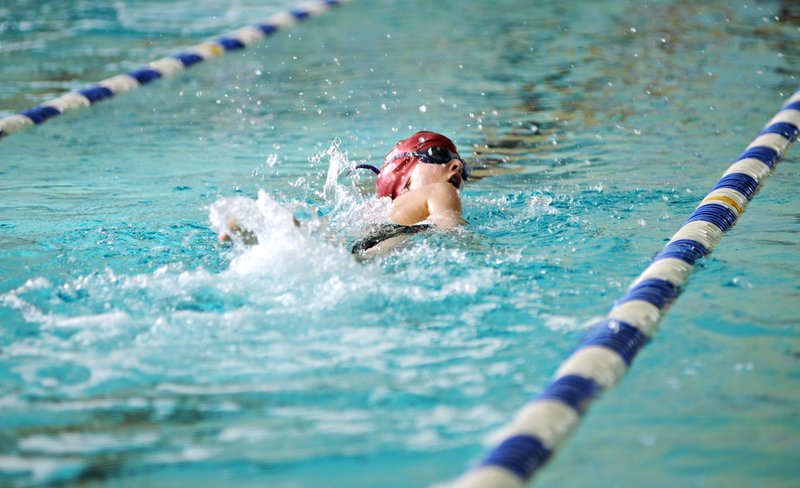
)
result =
(346, 203)
(338, 164)
(264, 218)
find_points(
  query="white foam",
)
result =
(85, 443)
(43, 470)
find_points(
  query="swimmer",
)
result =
(423, 195)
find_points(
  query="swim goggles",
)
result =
(432, 155)
(437, 155)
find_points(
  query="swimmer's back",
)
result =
(385, 232)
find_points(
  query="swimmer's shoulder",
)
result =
(439, 202)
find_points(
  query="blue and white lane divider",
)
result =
(609, 347)
(164, 67)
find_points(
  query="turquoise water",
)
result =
(136, 351)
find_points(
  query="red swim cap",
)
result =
(396, 170)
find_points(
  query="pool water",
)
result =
(137, 351)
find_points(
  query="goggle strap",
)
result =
(369, 167)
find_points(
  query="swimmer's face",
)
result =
(427, 174)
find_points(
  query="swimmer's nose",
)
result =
(456, 165)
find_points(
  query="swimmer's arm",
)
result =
(238, 233)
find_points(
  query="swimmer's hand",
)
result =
(234, 232)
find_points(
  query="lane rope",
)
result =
(609, 347)
(164, 67)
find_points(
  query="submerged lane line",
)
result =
(164, 67)
(606, 352)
